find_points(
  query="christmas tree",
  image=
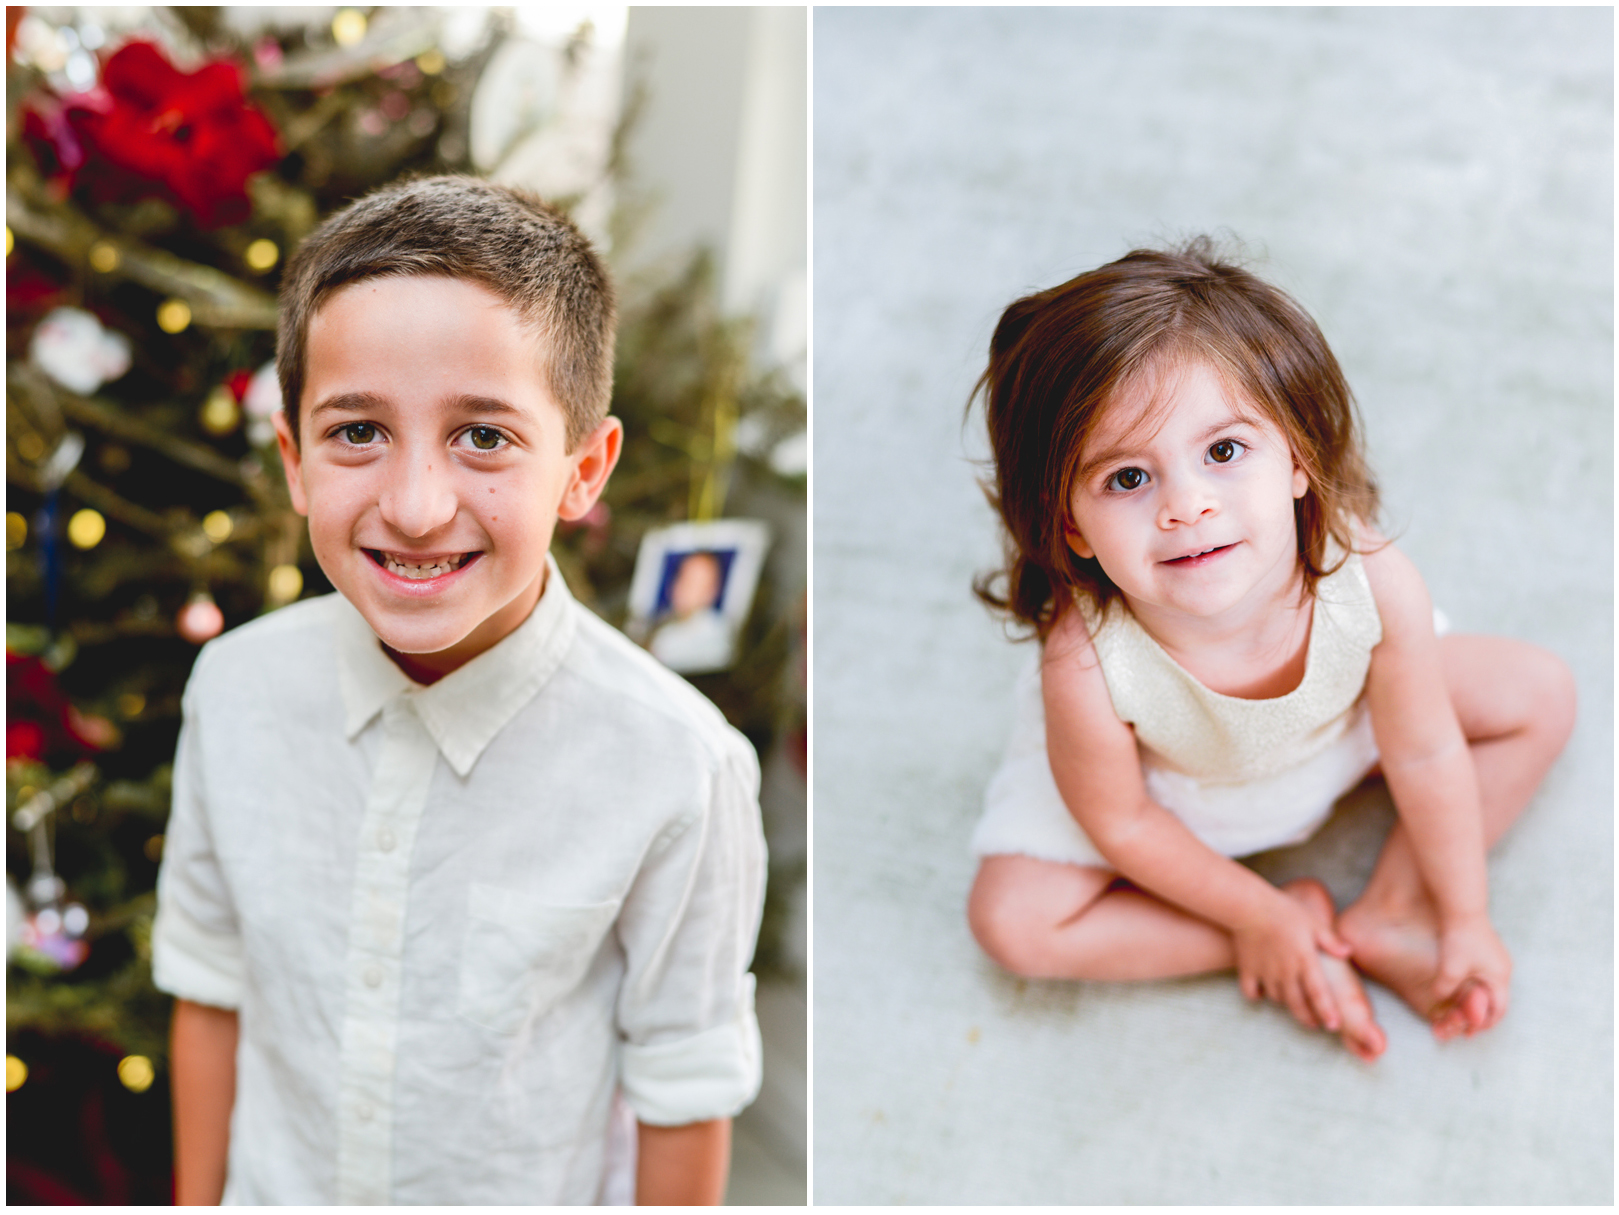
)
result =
(156, 182)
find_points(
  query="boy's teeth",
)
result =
(430, 570)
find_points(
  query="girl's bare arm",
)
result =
(1098, 772)
(1429, 769)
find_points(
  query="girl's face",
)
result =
(1185, 498)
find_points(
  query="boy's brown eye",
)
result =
(485, 438)
(360, 433)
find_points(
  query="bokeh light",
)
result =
(173, 316)
(136, 1072)
(220, 413)
(86, 528)
(217, 526)
(261, 255)
(286, 583)
(348, 27)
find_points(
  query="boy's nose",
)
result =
(420, 496)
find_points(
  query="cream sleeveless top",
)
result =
(1184, 727)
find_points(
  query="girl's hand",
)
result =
(1277, 959)
(1472, 984)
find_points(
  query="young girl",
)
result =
(1228, 647)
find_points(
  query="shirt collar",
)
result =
(466, 709)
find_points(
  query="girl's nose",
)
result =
(1185, 499)
(420, 494)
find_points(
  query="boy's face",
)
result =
(433, 464)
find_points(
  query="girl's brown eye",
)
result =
(484, 438)
(1127, 478)
(1222, 451)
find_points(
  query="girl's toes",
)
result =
(1475, 1007)
(1366, 1041)
(1449, 1022)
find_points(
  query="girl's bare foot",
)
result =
(1358, 1028)
(1400, 949)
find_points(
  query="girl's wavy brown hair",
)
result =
(1059, 356)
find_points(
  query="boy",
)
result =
(456, 877)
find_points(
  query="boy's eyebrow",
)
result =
(366, 402)
(348, 402)
(477, 404)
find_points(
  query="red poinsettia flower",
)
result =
(151, 129)
(42, 725)
(238, 382)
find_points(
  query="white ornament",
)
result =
(263, 395)
(74, 349)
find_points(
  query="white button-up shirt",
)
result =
(462, 924)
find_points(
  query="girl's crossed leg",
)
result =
(1046, 919)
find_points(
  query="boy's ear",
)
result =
(1076, 542)
(593, 462)
(291, 461)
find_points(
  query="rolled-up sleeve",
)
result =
(690, 1038)
(196, 947)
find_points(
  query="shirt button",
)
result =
(364, 1113)
(386, 840)
(372, 976)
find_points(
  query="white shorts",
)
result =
(1024, 813)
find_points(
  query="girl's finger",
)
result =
(1328, 941)
(1250, 987)
(1326, 1008)
(1298, 1004)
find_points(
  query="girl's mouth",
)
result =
(402, 566)
(1207, 554)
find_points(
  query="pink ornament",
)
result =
(200, 619)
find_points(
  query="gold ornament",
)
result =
(261, 255)
(217, 525)
(86, 528)
(16, 531)
(104, 257)
(220, 413)
(286, 583)
(173, 315)
(137, 1073)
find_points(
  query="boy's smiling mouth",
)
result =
(420, 569)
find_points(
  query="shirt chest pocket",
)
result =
(524, 954)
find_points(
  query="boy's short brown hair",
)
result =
(1059, 356)
(525, 251)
